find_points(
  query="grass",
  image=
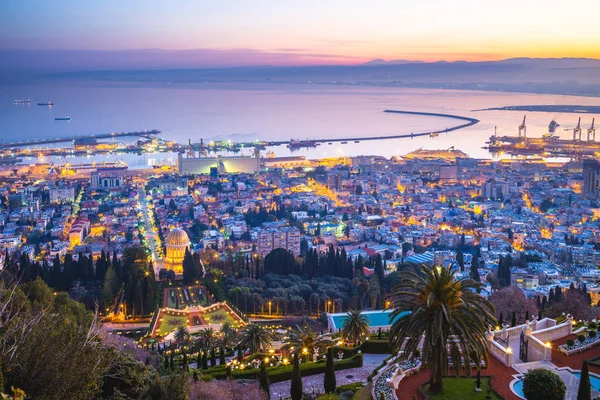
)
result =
(219, 317)
(463, 389)
(195, 300)
(364, 393)
(169, 323)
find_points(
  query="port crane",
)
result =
(591, 133)
(523, 128)
(577, 131)
(190, 150)
(203, 152)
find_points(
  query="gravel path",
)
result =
(315, 382)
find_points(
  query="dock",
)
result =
(37, 142)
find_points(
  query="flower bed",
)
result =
(384, 383)
(578, 346)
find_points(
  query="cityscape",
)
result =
(297, 201)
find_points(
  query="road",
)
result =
(150, 234)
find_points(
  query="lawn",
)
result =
(186, 296)
(219, 316)
(169, 323)
(363, 393)
(463, 389)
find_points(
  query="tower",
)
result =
(176, 243)
(590, 176)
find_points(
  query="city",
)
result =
(269, 223)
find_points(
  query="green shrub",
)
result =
(543, 384)
(592, 334)
(581, 338)
(592, 325)
(354, 387)
(206, 377)
(570, 342)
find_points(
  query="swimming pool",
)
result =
(376, 319)
(594, 381)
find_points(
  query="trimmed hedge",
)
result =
(284, 373)
(368, 346)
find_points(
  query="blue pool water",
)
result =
(595, 381)
(376, 318)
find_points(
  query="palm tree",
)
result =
(447, 314)
(227, 334)
(207, 338)
(302, 336)
(356, 325)
(255, 337)
(182, 334)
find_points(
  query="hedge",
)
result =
(368, 346)
(284, 373)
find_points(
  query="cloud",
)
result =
(70, 60)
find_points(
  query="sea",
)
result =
(244, 112)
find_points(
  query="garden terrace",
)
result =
(186, 296)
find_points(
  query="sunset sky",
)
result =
(276, 32)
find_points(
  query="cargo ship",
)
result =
(22, 101)
(47, 103)
(62, 118)
(294, 144)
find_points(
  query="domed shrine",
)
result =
(176, 243)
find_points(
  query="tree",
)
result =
(222, 360)
(329, 379)
(191, 271)
(182, 335)
(512, 299)
(185, 361)
(585, 387)
(110, 287)
(263, 379)
(296, 386)
(433, 305)
(255, 337)
(303, 336)
(356, 326)
(543, 384)
(460, 259)
(513, 321)
(213, 358)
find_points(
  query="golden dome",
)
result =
(177, 237)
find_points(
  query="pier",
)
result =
(37, 142)
(235, 146)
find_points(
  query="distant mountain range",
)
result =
(577, 76)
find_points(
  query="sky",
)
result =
(223, 33)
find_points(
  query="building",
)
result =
(495, 190)
(79, 230)
(62, 194)
(105, 181)
(334, 181)
(176, 244)
(448, 172)
(590, 176)
(287, 238)
(224, 165)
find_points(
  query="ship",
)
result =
(434, 134)
(450, 154)
(62, 118)
(47, 103)
(552, 126)
(294, 144)
(22, 101)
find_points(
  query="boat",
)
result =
(22, 101)
(47, 103)
(301, 143)
(62, 118)
(344, 142)
(552, 126)
(357, 141)
(434, 134)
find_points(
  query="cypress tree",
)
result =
(296, 386)
(204, 360)
(240, 355)
(558, 295)
(460, 259)
(329, 381)
(222, 360)
(540, 316)
(185, 361)
(501, 320)
(199, 360)
(228, 372)
(172, 361)
(213, 358)
(263, 379)
(166, 362)
(513, 322)
(585, 388)
(527, 315)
